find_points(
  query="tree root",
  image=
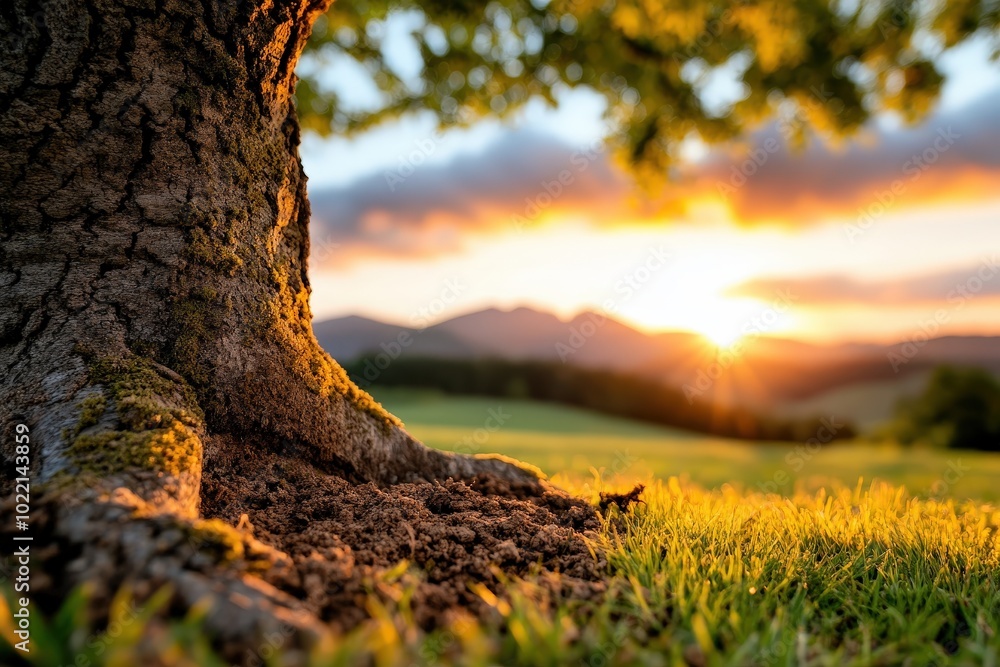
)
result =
(311, 548)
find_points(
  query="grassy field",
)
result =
(707, 574)
(867, 404)
(699, 578)
(570, 443)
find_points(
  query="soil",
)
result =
(342, 536)
(622, 500)
(289, 548)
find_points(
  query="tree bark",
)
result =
(155, 303)
(155, 337)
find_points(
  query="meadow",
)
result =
(708, 570)
(572, 444)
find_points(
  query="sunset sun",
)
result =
(722, 334)
(723, 322)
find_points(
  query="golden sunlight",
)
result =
(722, 337)
(724, 321)
(690, 295)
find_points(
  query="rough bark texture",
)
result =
(154, 250)
(155, 329)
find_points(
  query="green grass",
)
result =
(860, 577)
(569, 442)
(848, 574)
(471, 412)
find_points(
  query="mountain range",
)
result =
(778, 374)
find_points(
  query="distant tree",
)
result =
(959, 408)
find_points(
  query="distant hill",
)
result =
(519, 334)
(867, 404)
(767, 372)
(347, 338)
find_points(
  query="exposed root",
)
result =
(287, 548)
(121, 541)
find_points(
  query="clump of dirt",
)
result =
(622, 500)
(340, 536)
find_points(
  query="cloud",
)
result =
(525, 178)
(513, 184)
(956, 153)
(983, 279)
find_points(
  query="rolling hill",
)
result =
(781, 375)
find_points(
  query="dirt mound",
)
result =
(340, 535)
(311, 550)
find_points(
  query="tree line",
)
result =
(609, 392)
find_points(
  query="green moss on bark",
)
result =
(158, 421)
(199, 319)
(213, 253)
(172, 450)
(287, 320)
(91, 410)
(141, 380)
(228, 544)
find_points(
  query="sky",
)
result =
(892, 235)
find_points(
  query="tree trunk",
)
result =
(155, 299)
(155, 338)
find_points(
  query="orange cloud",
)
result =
(953, 287)
(515, 184)
(952, 156)
(527, 178)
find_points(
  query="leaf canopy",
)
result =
(821, 65)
